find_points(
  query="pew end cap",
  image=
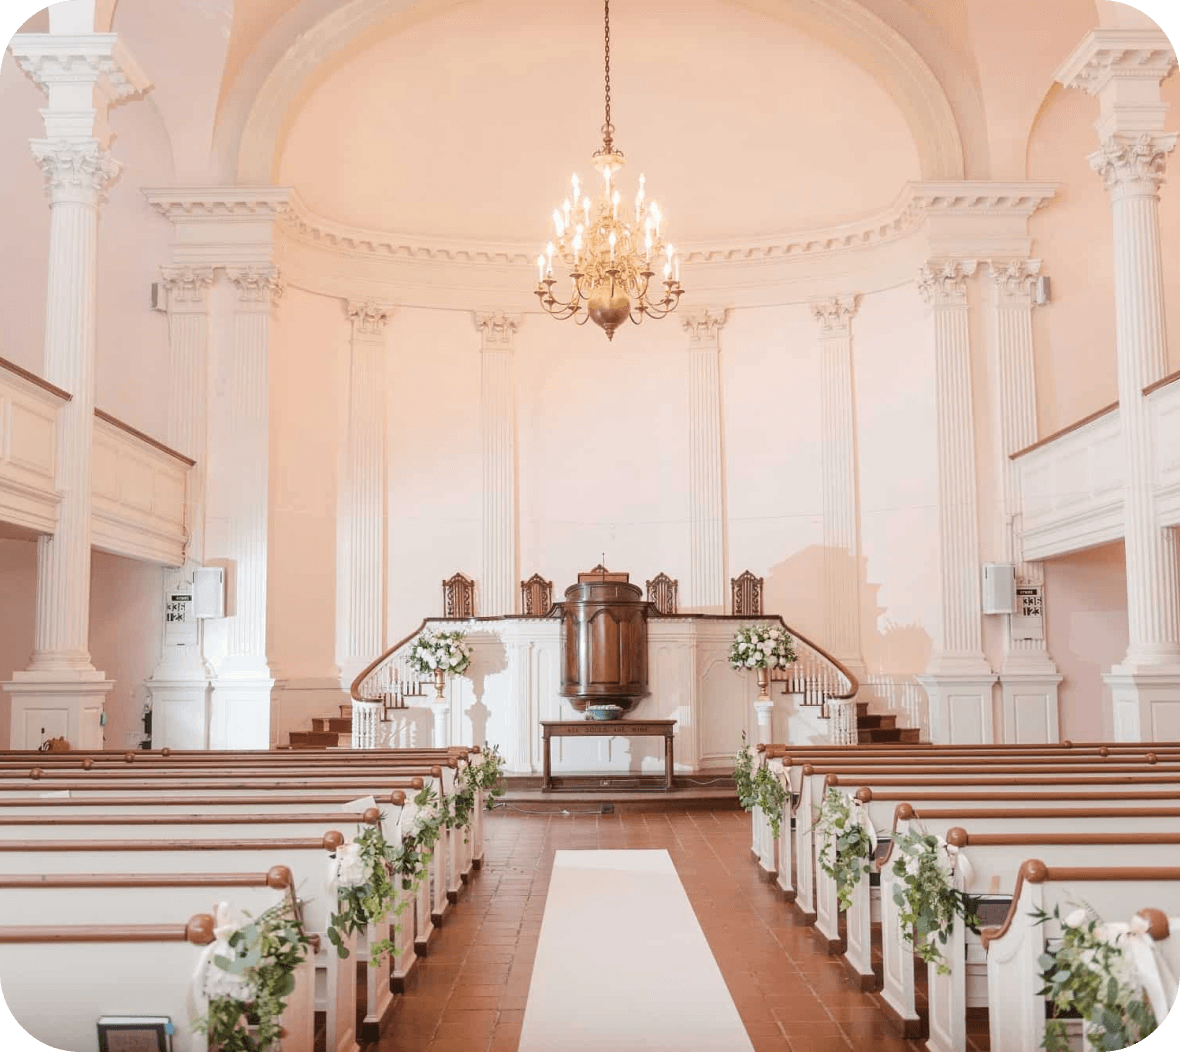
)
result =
(279, 877)
(956, 836)
(1157, 923)
(333, 839)
(199, 930)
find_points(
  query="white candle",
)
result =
(540, 268)
(677, 270)
(549, 250)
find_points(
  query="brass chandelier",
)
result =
(611, 254)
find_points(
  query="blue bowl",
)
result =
(604, 712)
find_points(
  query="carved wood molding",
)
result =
(747, 595)
(458, 596)
(536, 596)
(663, 592)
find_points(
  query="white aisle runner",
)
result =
(623, 965)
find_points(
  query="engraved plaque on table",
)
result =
(604, 641)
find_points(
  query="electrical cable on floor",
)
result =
(527, 811)
(709, 781)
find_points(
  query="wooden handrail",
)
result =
(960, 837)
(330, 841)
(354, 690)
(397, 798)
(198, 931)
(1037, 812)
(865, 794)
(146, 439)
(1171, 378)
(1096, 415)
(165, 773)
(1035, 871)
(277, 877)
(211, 782)
(33, 378)
(999, 778)
(371, 816)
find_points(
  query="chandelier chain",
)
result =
(607, 128)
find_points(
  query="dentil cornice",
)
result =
(261, 285)
(76, 170)
(704, 325)
(1107, 54)
(102, 59)
(943, 283)
(835, 314)
(368, 319)
(1133, 166)
(187, 286)
(497, 330)
(1015, 280)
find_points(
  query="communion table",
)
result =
(589, 728)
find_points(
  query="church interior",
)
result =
(534, 527)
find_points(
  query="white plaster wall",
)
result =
(772, 428)
(433, 460)
(893, 369)
(1086, 626)
(305, 368)
(602, 450)
(126, 621)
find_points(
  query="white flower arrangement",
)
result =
(440, 650)
(761, 646)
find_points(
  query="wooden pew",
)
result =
(1016, 1015)
(121, 969)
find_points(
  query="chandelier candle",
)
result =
(609, 250)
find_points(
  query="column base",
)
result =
(764, 710)
(57, 704)
(241, 713)
(1145, 703)
(180, 711)
(1028, 697)
(961, 709)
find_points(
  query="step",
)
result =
(319, 740)
(333, 724)
(877, 721)
(874, 735)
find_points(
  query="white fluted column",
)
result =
(61, 693)
(705, 588)
(179, 685)
(958, 680)
(240, 710)
(360, 530)
(841, 522)
(500, 581)
(1028, 676)
(1125, 75)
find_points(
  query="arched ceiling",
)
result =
(467, 125)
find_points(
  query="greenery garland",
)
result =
(250, 988)
(487, 775)
(365, 893)
(928, 900)
(759, 787)
(1090, 974)
(411, 860)
(853, 848)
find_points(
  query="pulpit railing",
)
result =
(816, 677)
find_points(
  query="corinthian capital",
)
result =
(76, 170)
(187, 286)
(368, 319)
(835, 315)
(1015, 280)
(704, 324)
(262, 285)
(497, 331)
(1133, 167)
(943, 283)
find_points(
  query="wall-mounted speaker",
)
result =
(1042, 290)
(209, 592)
(999, 588)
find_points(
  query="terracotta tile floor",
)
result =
(469, 994)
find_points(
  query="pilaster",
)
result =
(500, 579)
(958, 680)
(360, 530)
(61, 693)
(1124, 70)
(841, 522)
(704, 590)
(1028, 676)
(179, 685)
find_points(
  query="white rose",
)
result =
(1076, 919)
(349, 867)
(751, 661)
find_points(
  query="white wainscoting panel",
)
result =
(28, 453)
(1072, 490)
(1165, 415)
(140, 497)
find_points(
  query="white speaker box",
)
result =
(209, 592)
(999, 588)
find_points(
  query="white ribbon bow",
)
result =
(960, 863)
(210, 980)
(346, 870)
(860, 815)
